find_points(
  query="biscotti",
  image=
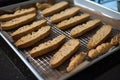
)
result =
(43, 6)
(115, 40)
(73, 21)
(104, 47)
(22, 31)
(32, 38)
(17, 13)
(55, 8)
(75, 61)
(47, 46)
(81, 29)
(64, 14)
(69, 48)
(99, 36)
(17, 22)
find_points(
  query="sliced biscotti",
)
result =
(81, 29)
(55, 8)
(43, 6)
(99, 36)
(69, 48)
(22, 31)
(115, 40)
(17, 13)
(73, 21)
(47, 46)
(32, 38)
(75, 61)
(14, 23)
(64, 14)
(104, 47)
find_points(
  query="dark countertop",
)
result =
(7, 69)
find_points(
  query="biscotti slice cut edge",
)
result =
(18, 13)
(73, 21)
(55, 8)
(82, 29)
(17, 22)
(47, 46)
(75, 61)
(99, 50)
(32, 38)
(64, 14)
(68, 49)
(42, 6)
(115, 40)
(22, 31)
(99, 36)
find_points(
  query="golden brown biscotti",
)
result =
(104, 47)
(99, 36)
(55, 8)
(17, 22)
(22, 31)
(73, 21)
(47, 46)
(64, 14)
(17, 13)
(75, 61)
(43, 6)
(115, 40)
(69, 48)
(32, 38)
(81, 29)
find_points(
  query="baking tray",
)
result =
(40, 66)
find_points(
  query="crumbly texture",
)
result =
(104, 47)
(73, 21)
(22, 31)
(68, 49)
(75, 61)
(55, 8)
(47, 46)
(99, 36)
(43, 6)
(32, 38)
(115, 40)
(17, 22)
(64, 14)
(81, 29)
(17, 13)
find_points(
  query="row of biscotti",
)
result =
(68, 49)
(93, 53)
(79, 30)
(47, 10)
(64, 52)
(21, 16)
(18, 18)
(67, 19)
(22, 12)
(60, 11)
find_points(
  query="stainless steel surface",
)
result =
(40, 66)
(98, 8)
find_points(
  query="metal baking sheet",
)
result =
(40, 66)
